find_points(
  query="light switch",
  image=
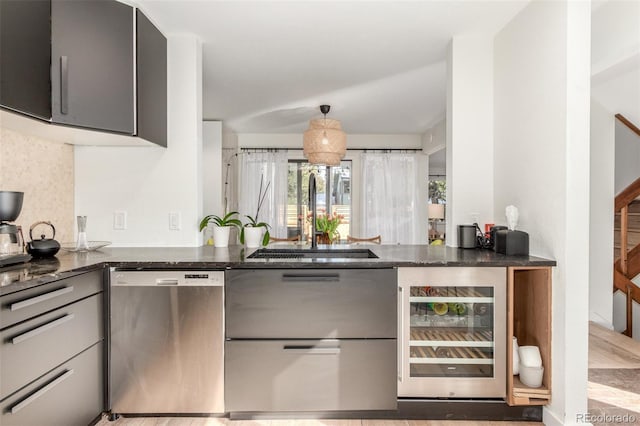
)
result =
(120, 220)
(174, 221)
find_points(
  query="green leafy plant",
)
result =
(253, 221)
(226, 220)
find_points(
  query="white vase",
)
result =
(221, 236)
(253, 236)
(516, 356)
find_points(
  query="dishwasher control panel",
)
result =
(166, 278)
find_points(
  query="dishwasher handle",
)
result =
(166, 281)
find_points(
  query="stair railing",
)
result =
(628, 265)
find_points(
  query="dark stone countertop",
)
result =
(66, 264)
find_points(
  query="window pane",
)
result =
(333, 195)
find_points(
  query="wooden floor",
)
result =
(195, 421)
(614, 388)
(614, 374)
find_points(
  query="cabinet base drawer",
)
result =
(69, 395)
(25, 304)
(31, 348)
(310, 375)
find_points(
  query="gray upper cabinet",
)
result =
(151, 51)
(25, 56)
(84, 64)
(92, 66)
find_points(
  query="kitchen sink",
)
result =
(312, 254)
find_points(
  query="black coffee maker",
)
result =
(12, 248)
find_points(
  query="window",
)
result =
(333, 195)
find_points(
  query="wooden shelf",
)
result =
(525, 395)
(529, 320)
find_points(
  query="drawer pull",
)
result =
(44, 389)
(166, 281)
(311, 350)
(48, 326)
(64, 85)
(311, 277)
(41, 298)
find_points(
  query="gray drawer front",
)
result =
(281, 375)
(22, 305)
(69, 395)
(32, 348)
(311, 303)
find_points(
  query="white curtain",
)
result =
(391, 197)
(272, 168)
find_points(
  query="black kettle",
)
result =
(44, 247)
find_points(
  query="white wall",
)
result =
(469, 133)
(212, 168)
(542, 80)
(601, 215)
(149, 183)
(616, 37)
(435, 139)
(627, 160)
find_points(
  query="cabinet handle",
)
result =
(311, 277)
(48, 326)
(310, 350)
(44, 389)
(64, 85)
(41, 298)
(401, 338)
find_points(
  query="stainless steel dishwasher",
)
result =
(167, 340)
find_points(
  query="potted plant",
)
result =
(328, 226)
(251, 232)
(222, 227)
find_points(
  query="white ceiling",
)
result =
(268, 65)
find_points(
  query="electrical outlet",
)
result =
(120, 220)
(475, 217)
(174, 221)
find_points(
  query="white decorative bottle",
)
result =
(82, 243)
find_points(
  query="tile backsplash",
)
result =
(44, 171)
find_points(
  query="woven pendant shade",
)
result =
(324, 142)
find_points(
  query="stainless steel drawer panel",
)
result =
(32, 348)
(314, 304)
(69, 395)
(300, 375)
(22, 305)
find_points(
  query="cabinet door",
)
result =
(70, 394)
(92, 69)
(151, 54)
(25, 43)
(310, 375)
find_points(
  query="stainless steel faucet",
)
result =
(312, 206)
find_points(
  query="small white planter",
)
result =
(221, 236)
(253, 236)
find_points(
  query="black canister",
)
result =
(467, 236)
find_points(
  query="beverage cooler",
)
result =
(452, 332)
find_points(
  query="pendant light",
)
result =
(324, 142)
